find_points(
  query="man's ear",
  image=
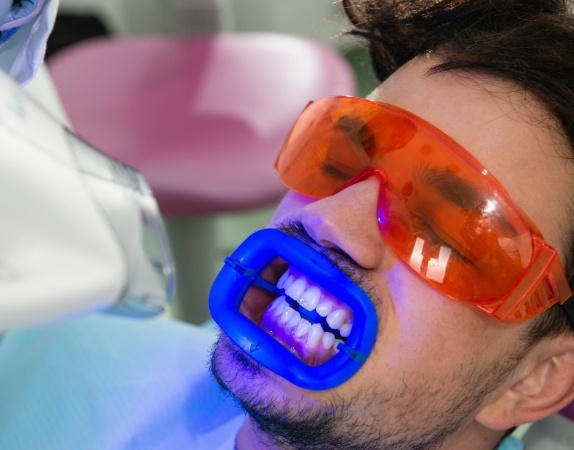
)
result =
(542, 384)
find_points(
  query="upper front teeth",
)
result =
(308, 299)
(323, 309)
(296, 288)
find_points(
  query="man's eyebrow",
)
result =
(451, 187)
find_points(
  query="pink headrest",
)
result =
(202, 118)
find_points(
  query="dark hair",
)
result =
(527, 42)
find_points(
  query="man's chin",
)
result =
(280, 410)
(235, 371)
(248, 381)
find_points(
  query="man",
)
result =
(413, 367)
(496, 77)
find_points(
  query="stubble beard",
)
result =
(419, 416)
(415, 418)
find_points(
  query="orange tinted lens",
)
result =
(439, 210)
(333, 140)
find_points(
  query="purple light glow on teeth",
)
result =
(310, 342)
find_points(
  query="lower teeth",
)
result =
(315, 335)
(283, 319)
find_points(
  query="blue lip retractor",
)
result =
(242, 270)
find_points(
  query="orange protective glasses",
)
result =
(439, 210)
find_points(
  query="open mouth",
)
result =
(292, 310)
(301, 315)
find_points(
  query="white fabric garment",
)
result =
(112, 383)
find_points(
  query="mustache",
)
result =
(335, 255)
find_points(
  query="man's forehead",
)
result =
(503, 127)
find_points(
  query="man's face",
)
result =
(436, 362)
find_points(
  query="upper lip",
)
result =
(336, 256)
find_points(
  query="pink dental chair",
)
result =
(202, 118)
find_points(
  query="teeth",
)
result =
(328, 340)
(336, 319)
(324, 309)
(308, 296)
(310, 299)
(294, 320)
(315, 335)
(286, 315)
(275, 304)
(302, 328)
(346, 330)
(281, 305)
(296, 289)
(281, 282)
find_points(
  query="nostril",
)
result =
(347, 222)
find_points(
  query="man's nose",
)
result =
(347, 221)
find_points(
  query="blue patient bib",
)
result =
(511, 443)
